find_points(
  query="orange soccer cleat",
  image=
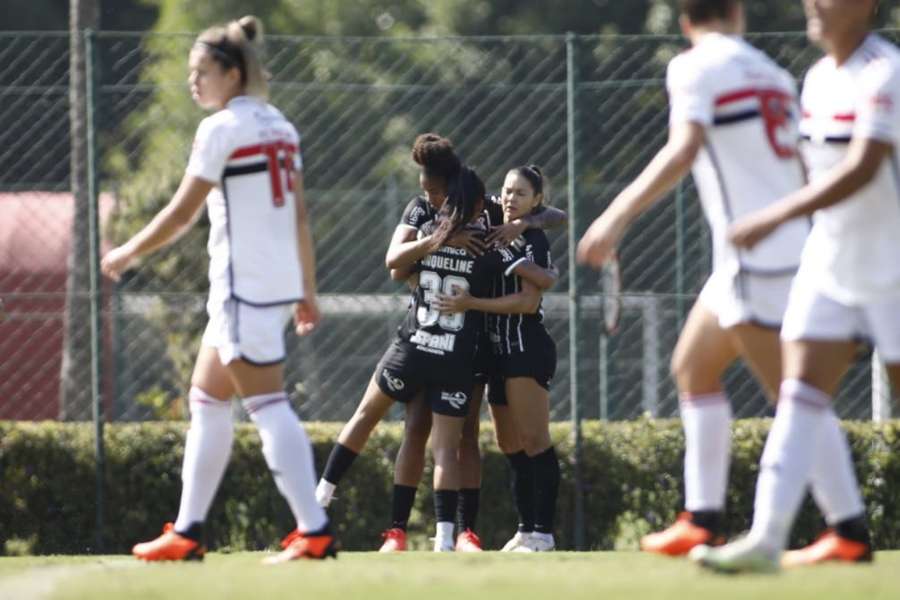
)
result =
(830, 546)
(298, 546)
(394, 540)
(169, 546)
(679, 538)
(467, 541)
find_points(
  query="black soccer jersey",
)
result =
(453, 336)
(511, 333)
(418, 212)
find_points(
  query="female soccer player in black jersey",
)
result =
(439, 163)
(525, 357)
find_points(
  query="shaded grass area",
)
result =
(423, 575)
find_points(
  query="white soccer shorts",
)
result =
(814, 316)
(746, 298)
(251, 333)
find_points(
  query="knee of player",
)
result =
(416, 433)
(534, 442)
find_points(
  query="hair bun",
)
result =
(251, 26)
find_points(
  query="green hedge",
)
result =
(631, 470)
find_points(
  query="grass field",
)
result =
(427, 576)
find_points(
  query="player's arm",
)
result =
(168, 224)
(306, 311)
(403, 252)
(526, 301)
(859, 167)
(548, 218)
(668, 167)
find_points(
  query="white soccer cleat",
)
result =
(744, 555)
(444, 544)
(324, 493)
(517, 541)
(538, 542)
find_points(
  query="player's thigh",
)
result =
(370, 411)
(760, 347)
(211, 376)
(819, 363)
(255, 380)
(417, 424)
(703, 352)
(529, 403)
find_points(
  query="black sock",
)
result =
(855, 529)
(339, 461)
(546, 488)
(710, 520)
(445, 502)
(195, 531)
(467, 509)
(401, 505)
(323, 530)
(522, 485)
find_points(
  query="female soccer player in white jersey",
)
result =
(245, 166)
(848, 285)
(525, 357)
(733, 120)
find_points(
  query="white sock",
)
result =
(787, 461)
(325, 493)
(444, 530)
(289, 455)
(707, 456)
(833, 481)
(206, 453)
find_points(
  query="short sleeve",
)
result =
(878, 109)
(690, 98)
(537, 249)
(414, 215)
(210, 151)
(504, 259)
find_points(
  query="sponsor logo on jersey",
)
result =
(435, 343)
(456, 399)
(395, 384)
(416, 214)
(506, 255)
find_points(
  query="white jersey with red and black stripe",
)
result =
(748, 108)
(853, 252)
(250, 151)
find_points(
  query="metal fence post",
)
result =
(91, 73)
(574, 315)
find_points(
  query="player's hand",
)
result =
(458, 302)
(306, 316)
(506, 234)
(752, 229)
(468, 240)
(599, 242)
(117, 261)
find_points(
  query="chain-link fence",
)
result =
(590, 110)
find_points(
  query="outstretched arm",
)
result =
(858, 169)
(525, 302)
(666, 169)
(548, 218)
(168, 224)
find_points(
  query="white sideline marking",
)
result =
(39, 583)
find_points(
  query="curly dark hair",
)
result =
(436, 156)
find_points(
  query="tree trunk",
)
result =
(75, 379)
